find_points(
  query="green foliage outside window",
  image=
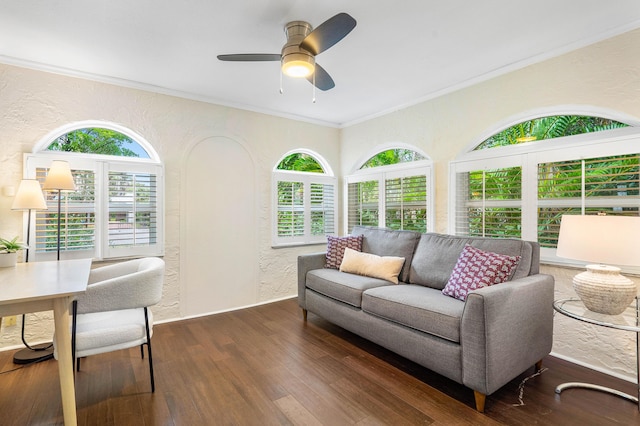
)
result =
(392, 156)
(606, 183)
(98, 141)
(300, 162)
(549, 128)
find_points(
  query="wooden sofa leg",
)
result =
(538, 366)
(480, 398)
(304, 314)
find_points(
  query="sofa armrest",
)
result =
(306, 263)
(506, 329)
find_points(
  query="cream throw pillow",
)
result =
(370, 265)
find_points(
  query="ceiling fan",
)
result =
(298, 56)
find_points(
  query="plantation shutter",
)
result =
(290, 209)
(323, 217)
(305, 207)
(489, 203)
(589, 186)
(77, 218)
(406, 203)
(132, 209)
(363, 204)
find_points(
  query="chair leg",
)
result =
(142, 351)
(74, 323)
(146, 323)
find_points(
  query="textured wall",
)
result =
(603, 78)
(33, 103)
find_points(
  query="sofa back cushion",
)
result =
(437, 254)
(387, 242)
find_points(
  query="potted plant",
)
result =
(9, 251)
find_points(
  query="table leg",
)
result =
(638, 364)
(65, 367)
(569, 385)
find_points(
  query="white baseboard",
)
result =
(593, 367)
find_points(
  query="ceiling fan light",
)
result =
(298, 65)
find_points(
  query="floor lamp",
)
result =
(59, 178)
(29, 197)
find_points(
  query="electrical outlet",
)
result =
(9, 321)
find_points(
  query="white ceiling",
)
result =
(401, 52)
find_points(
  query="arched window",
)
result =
(396, 181)
(305, 193)
(116, 209)
(520, 181)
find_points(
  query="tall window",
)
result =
(391, 190)
(519, 184)
(305, 200)
(116, 210)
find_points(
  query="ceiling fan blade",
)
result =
(323, 80)
(328, 33)
(250, 57)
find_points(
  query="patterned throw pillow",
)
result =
(476, 269)
(336, 246)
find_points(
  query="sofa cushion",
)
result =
(421, 308)
(387, 242)
(336, 246)
(342, 286)
(372, 265)
(477, 268)
(437, 254)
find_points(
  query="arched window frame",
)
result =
(528, 157)
(104, 244)
(382, 177)
(316, 207)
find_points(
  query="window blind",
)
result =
(363, 204)
(290, 209)
(132, 209)
(323, 217)
(605, 184)
(489, 203)
(305, 210)
(77, 216)
(406, 203)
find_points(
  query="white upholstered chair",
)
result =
(113, 314)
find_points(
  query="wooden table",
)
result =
(45, 286)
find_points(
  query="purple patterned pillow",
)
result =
(336, 246)
(476, 269)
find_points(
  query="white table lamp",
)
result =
(29, 197)
(608, 240)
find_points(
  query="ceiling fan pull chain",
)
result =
(314, 88)
(281, 91)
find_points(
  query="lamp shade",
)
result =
(29, 196)
(59, 177)
(612, 240)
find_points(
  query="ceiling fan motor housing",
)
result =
(296, 61)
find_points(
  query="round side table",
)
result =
(629, 320)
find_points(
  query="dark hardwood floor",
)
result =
(265, 366)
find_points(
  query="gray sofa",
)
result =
(483, 342)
